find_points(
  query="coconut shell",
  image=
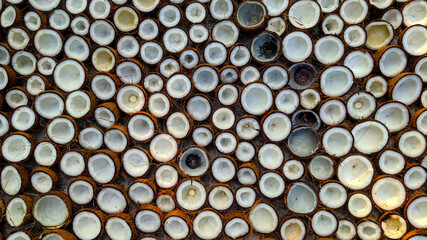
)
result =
(164, 4)
(75, 126)
(43, 19)
(24, 175)
(2, 209)
(400, 39)
(167, 192)
(175, 166)
(153, 119)
(201, 44)
(113, 26)
(217, 93)
(92, 103)
(67, 202)
(241, 89)
(260, 26)
(285, 199)
(299, 217)
(114, 157)
(28, 232)
(409, 200)
(205, 96)
(85, 70)
(304, 170)
(375, 173)
(141, 67)
(376, 163)
(320, 205)
(231, 132)
(20, 89)
(99, 214)
(171, 106)
(386, 215)
(414, 232)
(112, 107)
(371, 220)
(114, 53)
(183, 216)
(28, 214)
(181, 68)
(156, 42)
(36, 119)
(370, 199)
(11, 74)
(118, 188)
(400, 134)
(266, 115)
(234, 163)
(205, 65)
(29, 138)
(372, 193)
(252, 166)
(5, 45)
(63, 233)
(84, 154)
(279, 51)
(191, 124)
(221, 185)
(149, 182)
(367, 15)
(47, 83)
(190, 93)
(274, 209)
(279, 174)
(416, 115)
(86, 179)
(128, 220)
(209, 127)
(49, 172)
(395, 79)
(133, 85)
(230, 66)
(150, 208)
(333, 127)
(108, 74)
(57, 93)
(114, 8)
(18, 16)
(122, 129)
(378, 54)
(354, 150)
(180, 171)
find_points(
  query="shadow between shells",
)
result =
(213, 119)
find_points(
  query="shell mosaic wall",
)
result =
(213, 119)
